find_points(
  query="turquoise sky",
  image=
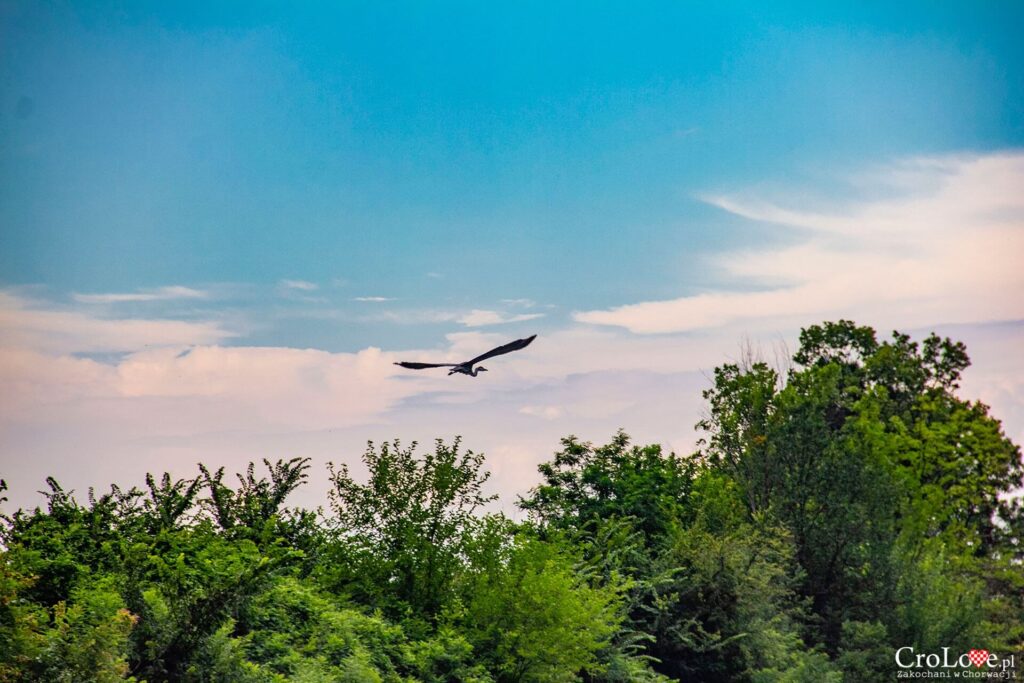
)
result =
(455, 155)
(221, 223)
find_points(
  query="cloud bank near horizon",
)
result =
(95, 393)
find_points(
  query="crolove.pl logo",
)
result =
(973, 664)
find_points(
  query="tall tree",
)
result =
(864, 451)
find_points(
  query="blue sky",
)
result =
(247, 175)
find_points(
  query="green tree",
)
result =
(401, 534)
(866, 453)
(707, 594)
(533, 617)
(584, 484)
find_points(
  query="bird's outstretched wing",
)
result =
(421, 366)
(503, 349)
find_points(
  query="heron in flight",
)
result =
(467, 368)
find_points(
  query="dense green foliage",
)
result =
(849, 506)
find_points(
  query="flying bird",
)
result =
(467, 368)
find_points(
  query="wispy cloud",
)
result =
(373, 299)
(29, 324)
(482, 318)
(943, 246)
(300, 285)
(300, 291)
(412, 316)
(159, 294)
(519, 303)
(474, 318)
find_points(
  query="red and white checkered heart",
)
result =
(978, 657)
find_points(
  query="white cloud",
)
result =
(481, 318)
(160, 294)
(267, 387)
(373, 299)
(946, 249)
(31, 325)
(300, 285)
(474, 318)
(412, 316)
(519, 303)
(165, 409)
(169, 406)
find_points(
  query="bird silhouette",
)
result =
(467, 368)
